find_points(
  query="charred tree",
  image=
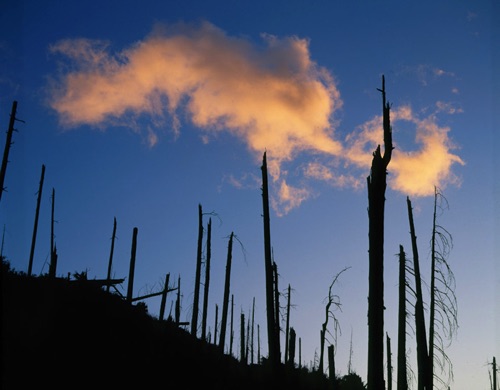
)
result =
(377, 183)
(287, 326)
(443, 315)
(389, 363)
(402, 376)
(194, 320)
(164, 297)
(53, 251)
(420, 332)
(227, 288)
(110, 262)
(277, 329)
(291, 348)
(207, 281)
(243, 357)
(273, 340)
(331, 367)
(130, 287)
(35, 227)
(8, 143)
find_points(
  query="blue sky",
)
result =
(143, 110)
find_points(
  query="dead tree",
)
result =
(53, 251)
(402, 313)
(291, 348)
(420, 332)
(277, 329)
(243, 357)
(272, 337)
(35, 227)
(334, 300)
(443, 322)
(194, 321)
(331, 367)
(207, 280)
(226, 293)
(389, 363)
(130, 287)
(110, 262)
(164, 297)
(287, 326)
(8, 143)
(377, 183)
(231, 336)
(252, 338)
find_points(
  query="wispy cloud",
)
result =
(273, 96)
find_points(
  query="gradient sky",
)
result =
(144, 110)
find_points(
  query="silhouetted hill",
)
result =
(64, 333)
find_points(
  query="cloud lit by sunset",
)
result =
(275, 98)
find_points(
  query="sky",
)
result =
(142, 111)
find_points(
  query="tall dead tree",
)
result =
(402, 375)
(130, 287)
(53, 251)
(194, 320)
(287, 326)
(420, 332)
(243, 357)
(377, 183)
(443, 313)
(277, 328)
(164, 297)
(8, 143)
(227, 287)
(110, 262)
(252, 338)
(231, 335)
(207, 280)
(35, 227)
(272, 339)
(389, 363)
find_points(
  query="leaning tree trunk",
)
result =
(225, 304)
(8, 143)
(420, 332)
(402, 375)
(207, 281)
(194, 321)
(272, 339)
(35, 227)
(377, 183)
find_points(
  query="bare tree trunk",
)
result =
(420, 332)
(331, 367)
(216, 323)
(111, 252)
(225, 304)
(231, 338)
(164, 297)
(291, 348)
(287, 329)
(35, 227)
(207, 281)
(8, 143)
(178, 302)
(53, 251)
(253, 324)
(194, 321)
(271, 326)
(242, 339)
(132, 266)
(277, 311)
(377, 183)
(389, 363)
(432, 310)
(402, 376)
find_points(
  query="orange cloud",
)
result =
(273, 97)
(411, 172)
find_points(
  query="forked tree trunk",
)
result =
(377, 183)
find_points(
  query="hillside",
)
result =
(66, 333)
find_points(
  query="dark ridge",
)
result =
(63, 333)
